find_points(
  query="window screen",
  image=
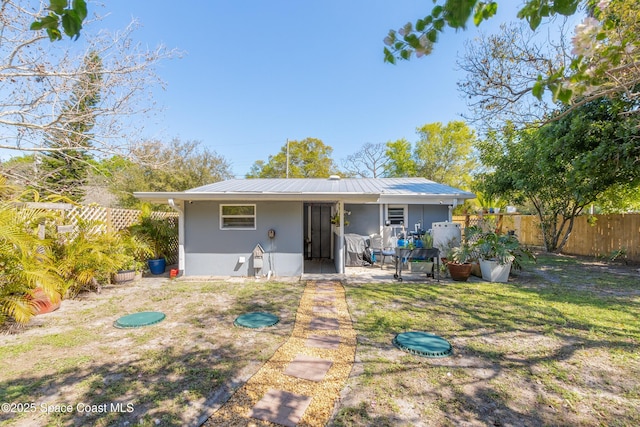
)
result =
(238, 217)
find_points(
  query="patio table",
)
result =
(423, 253)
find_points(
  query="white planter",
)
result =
(421, 267)
(494, 272)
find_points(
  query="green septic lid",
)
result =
(423, 344)
(256, 320)
(136, 320)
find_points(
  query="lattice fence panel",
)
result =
(173, 246)
(120, 219)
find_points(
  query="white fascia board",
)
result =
(163, 197)
(430, 199)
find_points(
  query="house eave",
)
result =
(426, 199)
(164, 197)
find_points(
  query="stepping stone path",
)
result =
(301, 382)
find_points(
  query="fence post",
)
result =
(109, 221)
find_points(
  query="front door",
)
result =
(317, 230)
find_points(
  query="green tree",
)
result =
(178, 166)
(606, 52)
(64, 15)
(309, 158)
(619, 198)
(401, 162)
(565, 165)
(444, 153)
(63, 169)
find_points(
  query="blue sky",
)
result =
(256, 72)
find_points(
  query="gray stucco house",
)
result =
(222, 224)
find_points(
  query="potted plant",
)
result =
(458, 261)
(422, 265)
(134, 251)
(157, 233)
(427, 240)
(471, 235)
(497, 253)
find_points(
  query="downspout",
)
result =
(180, 211)
(451, 208)
(341, 253)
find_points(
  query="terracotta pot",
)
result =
(42, 302)
(459, 272)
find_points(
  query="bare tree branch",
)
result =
(37, 77)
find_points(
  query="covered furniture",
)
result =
(356, 247)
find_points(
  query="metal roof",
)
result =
(381, 190)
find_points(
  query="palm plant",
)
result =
(25, 260)
(133, 251)
(157, 233)
(90, 257)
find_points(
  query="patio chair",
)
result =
(380, 251)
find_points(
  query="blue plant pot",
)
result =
(157, 266)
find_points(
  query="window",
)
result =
(237, 217)
(396, 214)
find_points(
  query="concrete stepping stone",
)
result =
(324, 298)
(324, 309)
(324, 323)
(325, 342)
(281, 407)
(308, 368)
(325, 283)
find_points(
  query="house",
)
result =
(246, 227)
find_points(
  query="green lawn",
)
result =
(558, 347)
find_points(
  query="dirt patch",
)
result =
(175, 372)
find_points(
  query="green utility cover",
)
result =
(136, 320)
(256, 320)
(423, 344)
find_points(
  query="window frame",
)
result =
(405, 213)
(254, 216)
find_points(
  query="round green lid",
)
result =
(423, 344)
(136, 320)
(256, 320)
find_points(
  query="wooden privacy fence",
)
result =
(113, 219)
(607, 235)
